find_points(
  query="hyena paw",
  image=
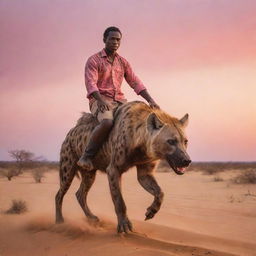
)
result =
(59, 220)
(93, 219)
(150, 213)
(124, 225)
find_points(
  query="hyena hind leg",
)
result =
(88, 178)
(67, 173)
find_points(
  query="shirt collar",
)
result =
(103, 54)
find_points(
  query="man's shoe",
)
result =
(85, 163)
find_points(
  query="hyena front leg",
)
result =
(114, 178)
(148, 182)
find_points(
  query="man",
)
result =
(104, 73)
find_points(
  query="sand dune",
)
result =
(40, 236)
(197, 218)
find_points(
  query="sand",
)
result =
(198, 217)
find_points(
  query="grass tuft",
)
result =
(17, 207)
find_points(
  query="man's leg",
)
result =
(98, 136)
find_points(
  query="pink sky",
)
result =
(194, 56)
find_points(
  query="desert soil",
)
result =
(198, 217)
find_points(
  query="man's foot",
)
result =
(85, 163)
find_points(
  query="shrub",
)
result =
(9, 173)
(210, 169)
(17, 207)
(217, 179)
(38, 174)
(246, 177)
(215, 167)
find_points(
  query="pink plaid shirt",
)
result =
(106, 77)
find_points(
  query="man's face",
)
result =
(113, 40)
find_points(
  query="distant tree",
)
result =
(22, 158)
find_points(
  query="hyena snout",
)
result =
(186, 162)
(182, 161)
(179, 161)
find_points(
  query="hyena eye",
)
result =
(186, 142)
(172, 141)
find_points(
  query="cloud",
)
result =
(50, 41)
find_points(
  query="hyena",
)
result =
(140, 137)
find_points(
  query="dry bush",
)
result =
(8, 173)
(17, 207)
(53, 166)
(2, 172)
(10, 169)
(38, 174)
(217, 179)
(210, 169)
(246, 177)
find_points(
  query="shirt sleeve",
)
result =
(91, 76)
(132, 79)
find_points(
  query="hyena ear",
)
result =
(184, 120)
(153, 122)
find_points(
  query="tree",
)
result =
(22, 158)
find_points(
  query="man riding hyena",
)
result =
(104, 73)
(119, 135)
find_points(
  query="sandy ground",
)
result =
(198, 217)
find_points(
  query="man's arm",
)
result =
(149, 99)
(137, 85)
(91, 78)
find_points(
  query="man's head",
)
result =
(112, 38)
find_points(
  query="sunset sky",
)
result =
(194, 56)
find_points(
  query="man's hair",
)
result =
(109, 29)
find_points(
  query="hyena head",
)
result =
(168, 141)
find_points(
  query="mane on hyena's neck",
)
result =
(143, 111)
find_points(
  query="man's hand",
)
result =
(153, 104)
(103, 105)
(149, 99)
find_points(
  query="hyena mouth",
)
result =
(179, 169)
